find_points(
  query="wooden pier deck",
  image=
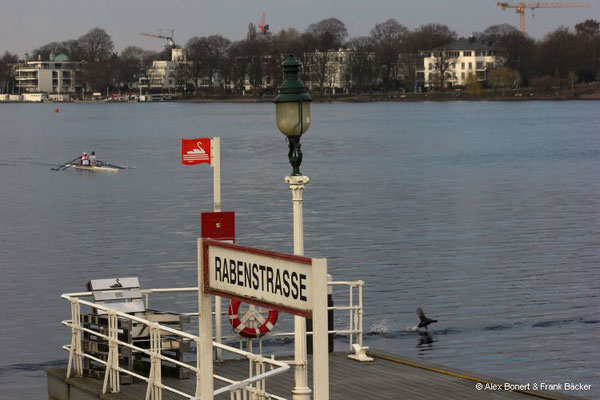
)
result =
(388, 377)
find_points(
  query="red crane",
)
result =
(263, 26)
(521, 6)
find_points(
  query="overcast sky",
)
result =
(27, 24)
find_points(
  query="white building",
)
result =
(336, 79)
(163, 75)
(53, 77)
(458, 60)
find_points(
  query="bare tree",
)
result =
(73, 49)
(183, 75)
(557, 54)
(236, 67)
(388, 38)
(7, 81)
(208, 55)
(589, 28)
(129, 65)
(287, 41)
(362, 62)
(431, 36)
(493, 34)
(255, 49)
(425, 38)
(217, 55)
(44, 52)
(515, 50)
(588, 51)
(283, 43)
(323, 38)
(98, 76)
(443, 61)
(96, 45)
(197, 52)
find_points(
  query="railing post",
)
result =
(75, 357)
(263, 383)
(351, 312)
(360, 313)
(111, 374)
(218, 327)
(154, 390)
(198, 364)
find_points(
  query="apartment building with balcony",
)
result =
(457, 60)
(55, 77)
(165, 74)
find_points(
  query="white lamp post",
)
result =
(292, 110)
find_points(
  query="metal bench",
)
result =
(124, 294)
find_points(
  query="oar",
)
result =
(102, 163)
(65, 165)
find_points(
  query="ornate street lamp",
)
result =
(292, 110)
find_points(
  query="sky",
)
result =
(28, 24)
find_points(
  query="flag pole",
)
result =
(216, 164)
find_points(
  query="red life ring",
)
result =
(246, 331)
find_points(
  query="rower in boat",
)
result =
(88, 163)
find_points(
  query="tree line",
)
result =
(385, 60)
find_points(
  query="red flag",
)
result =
(195, 151)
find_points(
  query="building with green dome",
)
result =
(53, 79)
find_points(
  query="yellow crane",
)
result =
(521, 6)
(162, 34)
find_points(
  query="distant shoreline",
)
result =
(580, 92)
(393, 98)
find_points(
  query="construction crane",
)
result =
(521, 6)
(263, 26)
(162, 34)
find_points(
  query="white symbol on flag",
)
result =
(196, 155)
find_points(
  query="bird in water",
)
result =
(423, 320)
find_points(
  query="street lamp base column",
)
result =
(301, 391)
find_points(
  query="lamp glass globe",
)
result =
(293, 118)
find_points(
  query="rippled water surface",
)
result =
(486, 214)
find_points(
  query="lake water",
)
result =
(486, 214)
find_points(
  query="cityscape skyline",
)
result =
(68, 19)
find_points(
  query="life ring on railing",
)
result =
(266, 324)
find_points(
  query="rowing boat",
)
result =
(96, 168)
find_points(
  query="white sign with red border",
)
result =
(302, 290)
(265, 278)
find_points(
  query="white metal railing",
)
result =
(254, 385)
(354, 308)
(260, 368)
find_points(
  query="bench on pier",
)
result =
(124, 295)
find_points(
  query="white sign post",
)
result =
(216, 164)
(285, 282)
(204, 356)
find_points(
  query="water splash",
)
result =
(380, 327)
